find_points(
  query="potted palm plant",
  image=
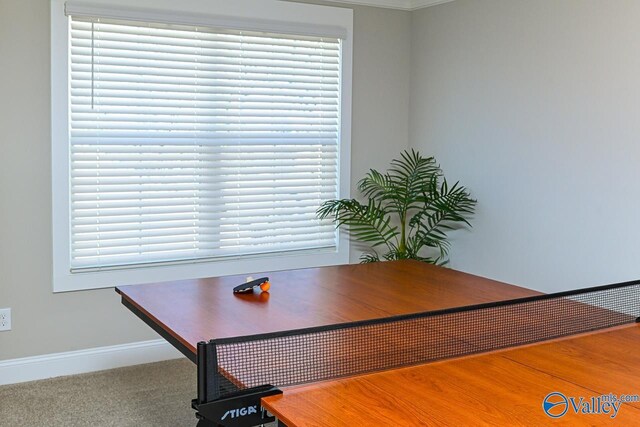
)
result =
(407, 212)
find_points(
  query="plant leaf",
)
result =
(367, 223)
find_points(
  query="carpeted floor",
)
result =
(157, 394)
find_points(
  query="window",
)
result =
(196, 145)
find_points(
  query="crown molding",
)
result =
(420, 4)
(395, 4)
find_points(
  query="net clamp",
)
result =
(242, 409)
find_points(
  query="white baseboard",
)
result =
(77, 362)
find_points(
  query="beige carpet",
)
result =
(157, 394)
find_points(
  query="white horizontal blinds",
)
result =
(191, 143)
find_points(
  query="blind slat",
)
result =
(183, 234)
(188, 253)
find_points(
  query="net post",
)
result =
(202, 371)
(207, 364)
(212, 391)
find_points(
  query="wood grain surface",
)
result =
(198, 310)
(500, 389)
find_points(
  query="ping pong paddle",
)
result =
(262, 282)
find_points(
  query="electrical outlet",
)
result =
(5, 319)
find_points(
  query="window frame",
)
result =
(260, 15)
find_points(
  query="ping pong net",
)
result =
(244, 366)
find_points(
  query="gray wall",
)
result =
(535, 106)
(44, 322)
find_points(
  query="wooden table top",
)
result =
(499, 389)
(189, 311)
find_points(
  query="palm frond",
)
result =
(382, 188)
(455, 202)
(375, 185)
(366, 258)
(367, 223)
(410, 176)
(444, 208)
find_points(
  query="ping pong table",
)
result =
(400, 343)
